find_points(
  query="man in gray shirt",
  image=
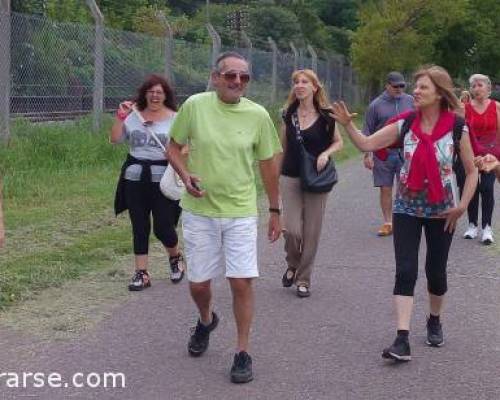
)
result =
(386, 166)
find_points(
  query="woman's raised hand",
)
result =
(124, 109)
(126, 106)
(341, 114)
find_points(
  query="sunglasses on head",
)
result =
(399, 86)
(231, 76)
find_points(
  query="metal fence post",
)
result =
(328, 79)
(356, 100)
(274, 76)
(351, 89)
(98, 92)
(314, 58)
(5, 70)
(216, 46)
(169, 41)
(341, 77)
(295, 56)
(249, 45)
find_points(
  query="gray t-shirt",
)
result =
(144, 147)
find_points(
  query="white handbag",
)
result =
(171, 184)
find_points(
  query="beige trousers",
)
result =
(303, 218)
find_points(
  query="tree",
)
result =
(402, 34)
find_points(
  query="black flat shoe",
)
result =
(286, 280)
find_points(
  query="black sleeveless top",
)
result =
(317, 138)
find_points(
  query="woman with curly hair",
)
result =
(139, 185)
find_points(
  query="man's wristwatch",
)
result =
(275, 210)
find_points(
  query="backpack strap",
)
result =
(458, 129)
(406, 127)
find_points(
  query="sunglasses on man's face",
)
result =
(399, 86)
(231, 76)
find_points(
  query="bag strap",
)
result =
(146, 126)
(296, 125)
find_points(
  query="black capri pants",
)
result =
(407, 232)
(144, 199)
(485, 188)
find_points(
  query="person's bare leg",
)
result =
(141, 261)
(243, 304)
(201, 294)
(386, 203)
(404, 308)
(173, 251)
(435, 304)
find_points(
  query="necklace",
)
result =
(307, 113)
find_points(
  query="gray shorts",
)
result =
(385, 171)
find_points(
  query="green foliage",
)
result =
(278, 23)
(59, 181)
(339, 13)
(484, 54)
(460, 35)
(68, 10)
(326, 24)
(188, 7)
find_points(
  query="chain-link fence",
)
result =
(50, 68)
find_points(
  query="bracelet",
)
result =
(274, 210)
(121, 115)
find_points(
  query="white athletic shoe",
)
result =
(487, 237)
(471, 232)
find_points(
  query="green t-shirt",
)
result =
(224, 141)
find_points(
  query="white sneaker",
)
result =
(487, 235)
(471, 232)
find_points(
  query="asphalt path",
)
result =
(327, 346)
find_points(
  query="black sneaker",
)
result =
(434, 333)
(140, 280)
(198, 342)
(177, 268)
(399, 351)
(241, 371)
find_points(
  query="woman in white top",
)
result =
(139, 188)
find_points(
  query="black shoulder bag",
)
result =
(312, 180)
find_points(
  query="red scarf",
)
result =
(424, 164)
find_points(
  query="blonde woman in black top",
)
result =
(303, 211)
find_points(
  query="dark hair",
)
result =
(228, 54)
(149, 82)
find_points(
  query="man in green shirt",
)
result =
(226, 134)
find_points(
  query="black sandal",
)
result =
(303, 293)
(285, 280)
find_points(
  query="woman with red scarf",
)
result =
(426, 197)
(482, 115)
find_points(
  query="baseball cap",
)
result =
(395, 78)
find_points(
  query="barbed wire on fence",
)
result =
(52, 66)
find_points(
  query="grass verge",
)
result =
(59, 183)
